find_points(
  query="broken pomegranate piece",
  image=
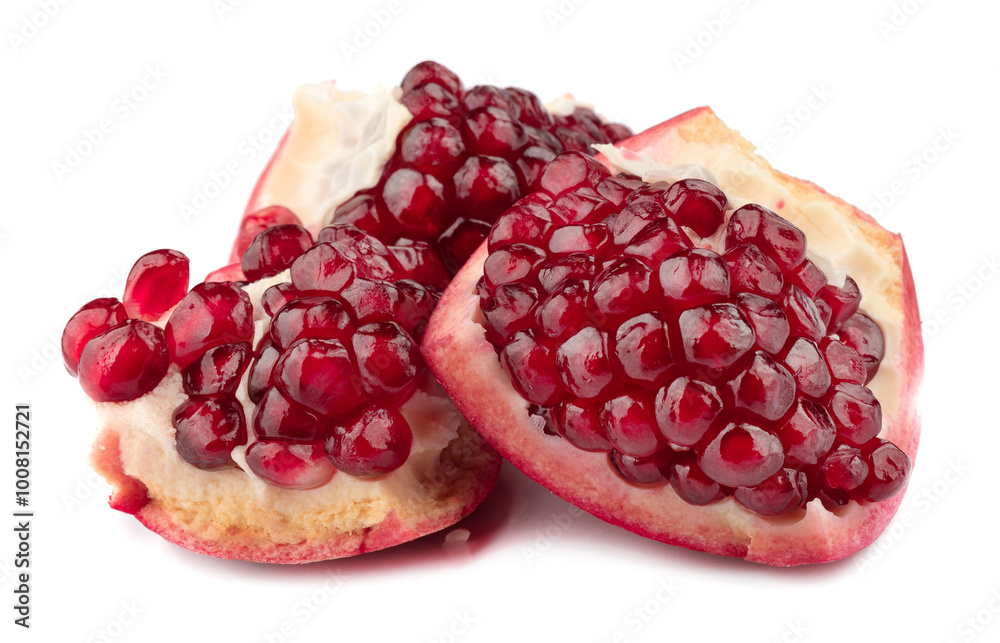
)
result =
(733, 359)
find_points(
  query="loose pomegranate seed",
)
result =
(642, 349)
(460, 240)
(389, 361)
(715, 336)
(696, 204)
(580, 424)
(94, 318)
(210, 315)
(289, 465)
(218, 370)
(741, 455)
(686, 409)
(157, 281)
(274, 250)
(865, 337)
(629, 423)
(644, 471)
(254, 224)
(278, 417)
(583, 365)
(780, 494)
(306, 317)
(318, 374)
(690, 482)
(373, 441)
(207, 430)
(856, 412)
(888, 469)
(532, 368)
(123, 363)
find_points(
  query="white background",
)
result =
(883, 96)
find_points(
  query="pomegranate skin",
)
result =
(458, 353)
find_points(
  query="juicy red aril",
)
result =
(493, 131)
(693, 278)
(482, 96)
(157, 281)
(209, 315)
(843, 302)
(431, 72)
(580, 424)
(274, 250)
(278, 417)
(510, 308)
(856, 412)
(291, 465)
(430, 99)
(277, 296)
(696, 204)
(123, 363)
(571, 170)
(579, 238)
(363, 211)
(532, 163)
(433, 146)
(809, 278)
(804, 318)
(780, 494)
(583, 365)
(764, 388)
(714, 336)
(521, 222)
(753, 271)
(690, 482)
(844, 470)
(629, 423)
(741, 455)
(531, 367)
(633, 219)
(254, 224)
(261, 372)
(564, 312)
(371, 442)
(389, 361)
(808, 434)
(778, 238)
(620, 291)
(318, 374)
(372, 301)
(657, 241)
(844, 363)
(888, 469)
(767, 319)
(865, 337)
(218, 370)
(645, 471)
(575, 266)
(806, 364)
(419, 262)
(460, 240)
(207, 430)
(532, 111)
(642, 349)
(416, 201)
(310, 317)
(686, 409)
(94, 318)
(485, 186)
(581, 206)
(516, 262)
(323, 267)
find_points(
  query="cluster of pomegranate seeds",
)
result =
(721, 367)
(466, 156)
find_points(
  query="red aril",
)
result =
(157, 281)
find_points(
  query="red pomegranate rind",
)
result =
(456, 348)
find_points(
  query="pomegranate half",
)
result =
(738, 414)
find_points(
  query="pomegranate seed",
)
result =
(94, 318)
(544, 139)
(363, 212)
(575, 266)
(779, 239)
(374, 301)
(323, 267)
(805, 362)
(591, 239)
(693, 278)
(642, 350)
(564, 312)
(522, 222)
(843, 302)
(531, 367)
(617, 188)
(516, 262)
(433, 146)
(696, 204)
(485, 186)
(657, 241)
(429, 99)
(157, 281)
(741, 455)
(856, 413)
(416, 202)
(764, 388)
(274, 250)
(571, 170)
(753, 271)
(431, 72)
(844, 363)
(263, 367)
(804, 318)
(493, 131)
(782, 493)
(210, 315)
(580, 206)
(278, 417)
(207, 430)
(373, 441)
(644, 471)
(510, 308)
(218, 370)
(460, 240)
(844, 470)
(686, 409)
(865, 337)
(807, 435)
(531, 110)
(629, 423)
(809, 278)
(888, 469)
(580, 424)
(123, 363)
(318, 374)
(573, 141)
(690, 483)
(583, 365)
(621, 291)
(289, 465)
(420, 263)
(649, 193)
(310, 317)
(277, 296)
(715, 336)
(254, 224)
(768, 320)
(389, 361)
(634, 218)
(616, 132)
(531, 163)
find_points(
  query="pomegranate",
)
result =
(717, 356)
(281, 411)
